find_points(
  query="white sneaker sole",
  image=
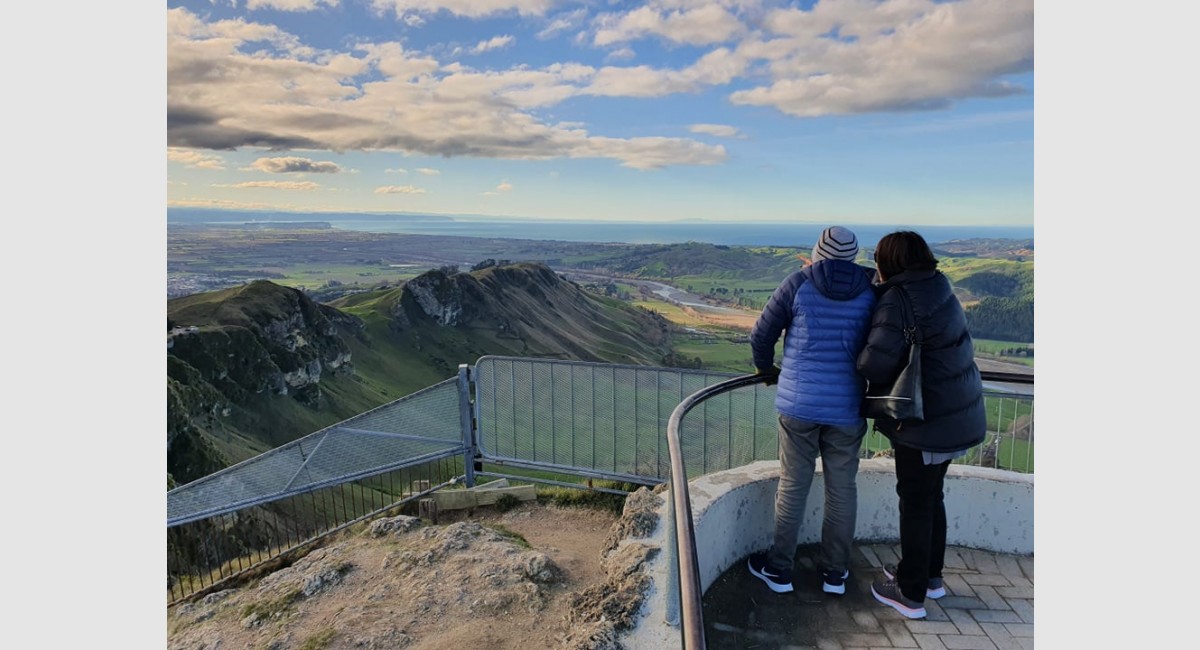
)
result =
(907, 612)
(836, 589)
(929, 593)
(774, 586)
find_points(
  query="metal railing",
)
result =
(1008, 442)
(420, 427)
(560, 419)
(686, 573)
(599, 420)
(690, 592)
(229, 523)
(209, 553)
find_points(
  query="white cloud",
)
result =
(398, 170)
(224, 204)
(898, 55)
(468, 8)
(563, 22)
(719, 130)
(290, 5)
(428, 171)
(638, 81)
(705, 25)
(413, 20)
(294, 164)
(658, 152)
(399, 189)
(502, 188)
(195, 159)
(273, 185)
(720, 66)
(621, 54)
(223, 93)
(494, 43)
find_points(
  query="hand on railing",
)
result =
(770, 376)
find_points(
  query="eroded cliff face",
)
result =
(260, 339)
(266, 338)
(438, 296)
(528, 303)
(441, 298)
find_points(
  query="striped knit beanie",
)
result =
(836, 243)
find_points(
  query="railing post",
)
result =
(467, 422)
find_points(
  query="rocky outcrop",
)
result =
(230, 346)
(396, 582)
(599, 614)
(262, 337)
(533, 310)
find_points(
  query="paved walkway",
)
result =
(988, 606)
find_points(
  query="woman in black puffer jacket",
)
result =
(954, 421)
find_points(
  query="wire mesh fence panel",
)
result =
(428, 413)
(729, 430)
(1007, 443)
(420, 425)
(604, 417)
(205, 553)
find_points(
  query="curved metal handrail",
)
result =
(691, 614)
(690, 591)
(1006, 377)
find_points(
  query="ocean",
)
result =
(729, 234)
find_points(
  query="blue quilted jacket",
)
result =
(825, 310)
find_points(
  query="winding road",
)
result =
(665, 291)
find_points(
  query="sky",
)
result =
(855, 111)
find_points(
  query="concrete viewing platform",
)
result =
(988, 572)
(988, 606)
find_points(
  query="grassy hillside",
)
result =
(256, 366)
(696, 260)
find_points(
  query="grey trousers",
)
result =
(800, 443)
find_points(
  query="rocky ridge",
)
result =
(400, 583)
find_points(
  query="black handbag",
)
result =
(902, 399)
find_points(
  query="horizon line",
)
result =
(678, 220)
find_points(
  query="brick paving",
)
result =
(988, 606)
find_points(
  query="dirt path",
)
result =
(466, 583)
(572, 538)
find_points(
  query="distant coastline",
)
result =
(720, 233)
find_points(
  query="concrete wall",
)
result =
(986, 508)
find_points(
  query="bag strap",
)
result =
(910, 316)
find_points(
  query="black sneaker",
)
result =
(779, 580)
(835, 581)
(935, 590)
(888, 593)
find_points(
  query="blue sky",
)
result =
(857, 111)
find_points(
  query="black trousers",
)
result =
(922, 521)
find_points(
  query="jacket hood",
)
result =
(838, 279)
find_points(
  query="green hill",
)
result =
(256, 366)
(668, 261)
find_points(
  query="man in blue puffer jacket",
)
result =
(825, 310)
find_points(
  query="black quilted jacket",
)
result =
(951, 387)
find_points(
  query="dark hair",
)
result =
(903, 250)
